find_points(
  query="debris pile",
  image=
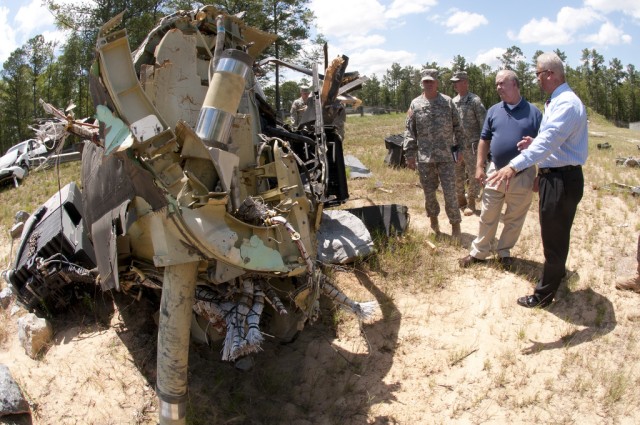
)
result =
(628, 162)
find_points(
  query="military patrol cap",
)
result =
(459, 76)
(305, 89)
(429, 75)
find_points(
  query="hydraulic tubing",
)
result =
(221, 34)
(176, 304)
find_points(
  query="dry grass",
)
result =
(36, 188)
(603, 249)
(451, 346)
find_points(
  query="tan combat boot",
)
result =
(456, 233)
(632, 284)
(435, 226)
(471, 207)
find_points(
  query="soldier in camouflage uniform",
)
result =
(432, 123)
(472, 113)
(299, 106)
(335, 115)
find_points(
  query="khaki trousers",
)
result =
(517, 199)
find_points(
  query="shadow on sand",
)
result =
(583, 308)
(308, 381)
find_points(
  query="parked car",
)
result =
(15, 163)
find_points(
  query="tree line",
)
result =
(41, 69)
(608, 89)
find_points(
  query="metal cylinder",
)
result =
(214, 125)
(174, 326)
(223, 96)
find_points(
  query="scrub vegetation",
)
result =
(450, 346)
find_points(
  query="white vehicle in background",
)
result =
(16, 162)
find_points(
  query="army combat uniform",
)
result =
(297, 109)
(472, 113)
(431, 127)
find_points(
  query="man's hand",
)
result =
(411, 163)
(502, 175)
(524, 143)
(481, 176)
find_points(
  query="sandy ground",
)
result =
(461, 353)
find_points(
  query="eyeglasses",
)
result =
(542, 72)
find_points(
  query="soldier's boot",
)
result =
(632, 284)
(456, 233)
(435, 226)
(470, 208)
(462, 201)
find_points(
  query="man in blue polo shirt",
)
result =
(560, 150)
(507, 123)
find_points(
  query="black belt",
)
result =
(559, 169)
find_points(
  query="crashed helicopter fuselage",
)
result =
(192, 186)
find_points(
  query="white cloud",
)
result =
(461, 22)
(341, 18)
(29, 21)
(349, 46)
(543, 32)
(345, 18)
(33, 16)
(562, 31)
(575, 19)
(407, 7)
(57, 37)
(377, 61)
(7, 35)
(629, 7)
(490, 57)
(359, 41)
(609, 35)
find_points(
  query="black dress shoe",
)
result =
(533, 301)
(469, 260)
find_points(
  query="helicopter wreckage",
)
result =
(193, 187)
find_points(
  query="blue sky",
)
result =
(21, 20)
(376, 33)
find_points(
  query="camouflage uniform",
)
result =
(431, 126)
(472, 113)
(297, 109)
(335, 115)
